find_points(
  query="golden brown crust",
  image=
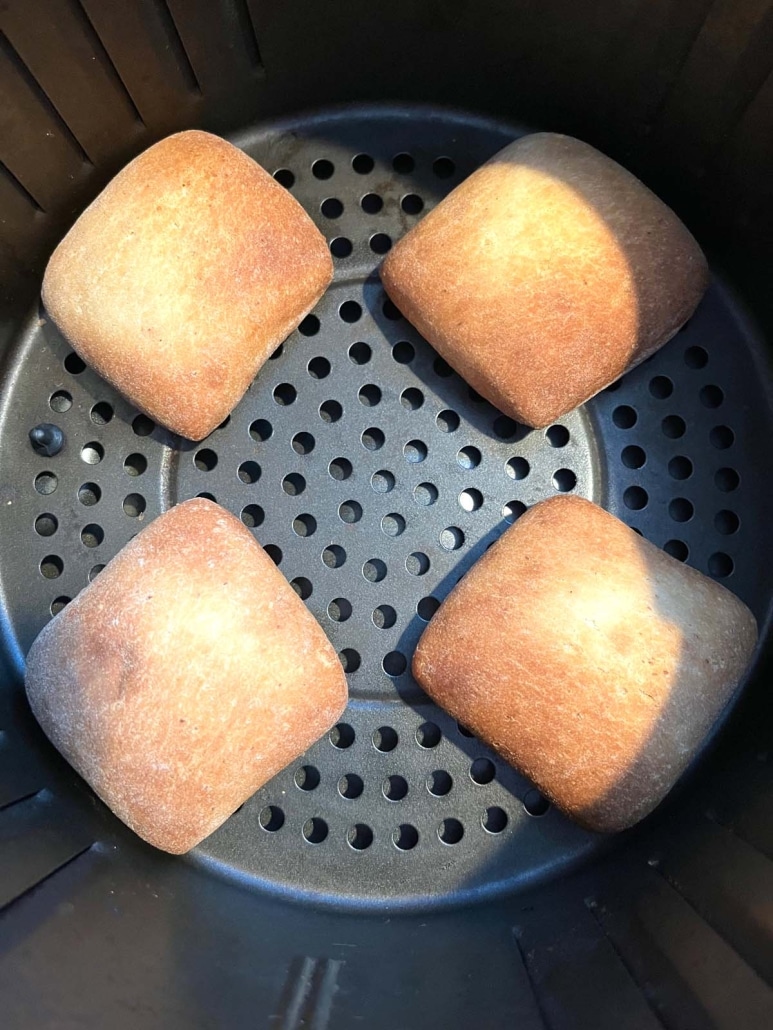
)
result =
(185, 676)
(546, 275)
(588, 658)
(183, 276)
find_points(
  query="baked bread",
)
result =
(184, 677)
(546, 275)
(589, 659)
(183, 276)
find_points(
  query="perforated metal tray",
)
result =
(375, 478)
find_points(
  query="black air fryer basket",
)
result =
(399, 875)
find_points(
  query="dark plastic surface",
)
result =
(672, 927)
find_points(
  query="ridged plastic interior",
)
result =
(670, 926)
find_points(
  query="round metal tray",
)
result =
(375, 478)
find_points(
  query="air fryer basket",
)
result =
(399, 874)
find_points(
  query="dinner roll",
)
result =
(183, 276)
(185, 676)
(546, 275)
(588, 658)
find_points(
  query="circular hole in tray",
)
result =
(271, 818)
(439, 783)
(450, 831)
(315, 830)
(482, 771)
(134, 505)
(307, 778)
(261, 430)
(494, 819)
(362, 164)
(359, 837)
(405, 837)
(350, 659)
(394, 788)
(92, 535)
(52, 566)
(428, 735)
(350, 786)
(535, 803)
(46, 525)
(339, 609)
(384, 617)
(341, 736)
(60, 401)
(385, 739)
(253, 516)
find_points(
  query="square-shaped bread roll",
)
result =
(588, 658)
(185, 676)
(546, 275)
(183, 276)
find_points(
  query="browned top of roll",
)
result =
(546, 275)
(183, 276)
(185, 676)
(590, 659)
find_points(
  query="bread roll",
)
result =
(589, 659)
(183, 276)
(546, 275)
(184, 677)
